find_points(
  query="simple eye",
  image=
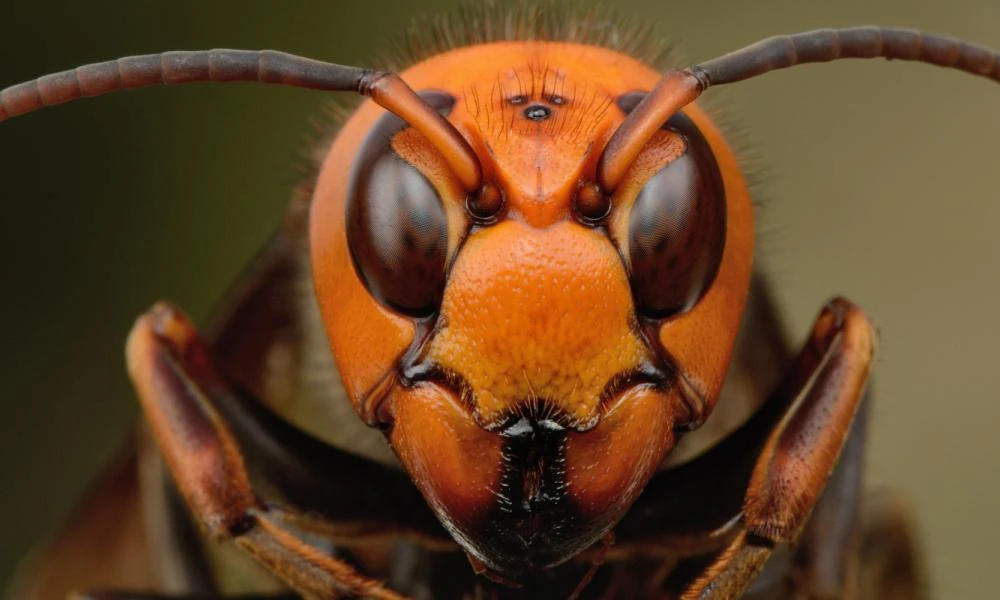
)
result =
(677, 229)
(397, 231)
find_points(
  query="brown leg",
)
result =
(891, 565)
(177, 385)
(826, 558)
(827, 384)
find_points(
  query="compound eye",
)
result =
(397, 230)
(677, 229)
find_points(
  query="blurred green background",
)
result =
(882, 185)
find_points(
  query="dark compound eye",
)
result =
(677, 227)
(397, 231)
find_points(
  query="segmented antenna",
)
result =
(678, 88)
(173, 68)
(264, 66)
(824, 45)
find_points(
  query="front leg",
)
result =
(824, 389)
(177, 388)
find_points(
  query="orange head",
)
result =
(531, 349)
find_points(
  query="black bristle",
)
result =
(485, 21)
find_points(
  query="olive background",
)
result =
(881, 184)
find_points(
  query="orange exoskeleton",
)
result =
(529, 260)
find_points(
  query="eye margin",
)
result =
(386, 271)
(710, 184)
